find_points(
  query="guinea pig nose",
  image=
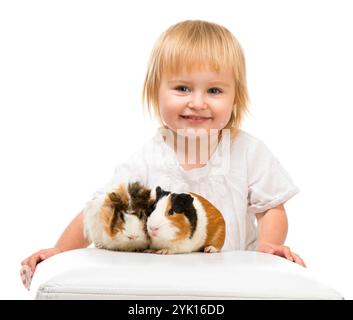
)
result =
(154, 228)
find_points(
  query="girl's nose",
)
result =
(197, 102)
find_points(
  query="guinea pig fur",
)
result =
(184, 222)
(117, 220)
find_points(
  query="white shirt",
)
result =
(242, 178)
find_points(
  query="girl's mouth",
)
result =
(195, 119)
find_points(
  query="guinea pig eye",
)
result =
(170, 212)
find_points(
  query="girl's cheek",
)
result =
(177, 100)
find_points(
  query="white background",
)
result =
(71, 75)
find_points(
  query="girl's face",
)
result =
(197, 100)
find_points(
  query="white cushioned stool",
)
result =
(101, 274)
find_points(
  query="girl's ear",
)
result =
(181, 202)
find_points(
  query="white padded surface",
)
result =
(100, 274)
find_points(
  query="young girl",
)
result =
(196, 85)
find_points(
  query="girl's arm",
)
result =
(272, 228)
(272, 225)
(72, 237)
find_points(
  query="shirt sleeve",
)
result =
(133, 170)
(269, 184)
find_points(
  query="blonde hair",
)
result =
(198, 44)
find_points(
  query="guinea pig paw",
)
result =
(163, 251)
(149, 251)
(210, 249)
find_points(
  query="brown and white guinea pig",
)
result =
(184, 222)
(117, 220)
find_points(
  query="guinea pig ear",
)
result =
(113, 197)
(116, 201)
(160, 193)
(181, 202)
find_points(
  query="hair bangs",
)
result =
(194, 49)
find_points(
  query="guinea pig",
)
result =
(184, 222)
(117, 220)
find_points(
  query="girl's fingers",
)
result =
(34, 259)
(298, 259)
(29, 265)
(33, 262)
(26, 276)
(25, 261)
(282, 251)
(28, 260)
(266, 249)
(23, 275)
(287, 253)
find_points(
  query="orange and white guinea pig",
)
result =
(117, 219)
(184, 222)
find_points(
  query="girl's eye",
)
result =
(214, 91)
(182, 89)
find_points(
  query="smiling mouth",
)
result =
(195, 118)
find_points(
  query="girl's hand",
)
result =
(280, 250)
(29, 264)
